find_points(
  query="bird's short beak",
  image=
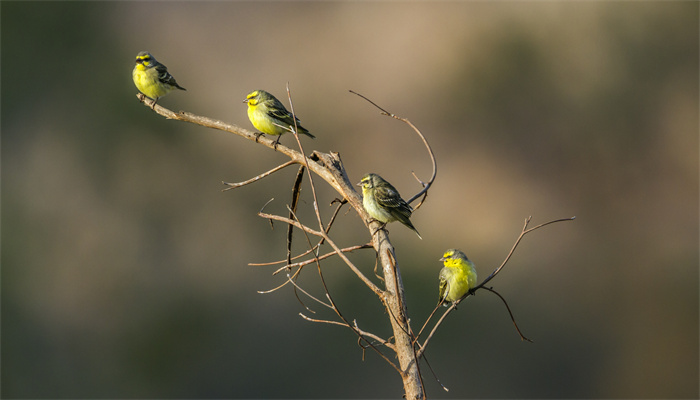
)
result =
(245, 101)
(442, 259)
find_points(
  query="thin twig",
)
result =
(280, 286)
(433, 372)
(296, 191)
(322, 257)
(426, 185)
(291, 222)
(257, 178)
(437, 307)
(328, 228)
(384, 342)
(437, 324)
(524, 232)
(512, 318)
(289, 278)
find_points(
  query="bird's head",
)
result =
(369, 181)
(145, 60)
(256, 97)
(452, 255)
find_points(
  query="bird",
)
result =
(456, 277)
(152, 78)
(268, 115)
(384, 203)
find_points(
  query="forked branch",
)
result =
(453, 306)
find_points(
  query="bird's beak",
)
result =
(245, 101)
(442, 259)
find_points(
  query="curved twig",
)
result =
(524, 232)
(512, 318)
(256, 178)
(426, 185)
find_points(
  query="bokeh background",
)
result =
(125, 268)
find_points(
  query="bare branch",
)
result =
(362, 333)
(437, 324)
(512, 318)
(329, 167)
(338, 251)
(291, 222)
(379, 292)
(437, 307)
(290, 280)
(322, 257)
(384, 342)
(452, 307)
(296, 191)
(257, 178)
(426, 185)
(326, 172)
(524, 232)
(333, 304)
(328, 228)
(282, 285)
(273, 289)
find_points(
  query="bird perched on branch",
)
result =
(152, 78)
(384, 203)
(456, 277)
(268, 115)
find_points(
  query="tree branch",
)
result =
(329, 167)
(453, 306)
(256, 178)
(426, 185)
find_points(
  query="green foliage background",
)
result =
(124, 267)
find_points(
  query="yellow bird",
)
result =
(384, 203)
(456, 277)
(152, 78)
(268, 115)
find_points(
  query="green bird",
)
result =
(268, 115)
(456, 277)
(384, 203)
(152, 78)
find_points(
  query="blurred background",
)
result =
(125, 267)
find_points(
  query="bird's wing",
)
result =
(391, 199)
(165, 77)
(444, 275)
